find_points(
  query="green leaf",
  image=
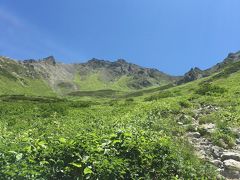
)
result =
(88, 170)
(19, 156)
(42, 144)
(117, 141)
(78, 165)
(28, 149)
(85, 158)
(43, 162)
(62, 140)
(12, 152)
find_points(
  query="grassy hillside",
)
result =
(16, 79)
(167, 132)
(70, 140)
(92, 83)
(63, 79)
(29, 87)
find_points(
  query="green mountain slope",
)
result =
(196, 73)
(187, 131)
(17, 79)
(63, 79)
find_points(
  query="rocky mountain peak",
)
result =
(194, 74)
(97, 63)
(49, 60)
(195, 70)
(232, 57)
(121, 61)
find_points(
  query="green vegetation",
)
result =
(93, 82)
(111, 133)
(61, 139)
(26, 86)
(99, 93)
(209, 89)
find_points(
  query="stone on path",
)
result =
(231, 169)
(230, 155)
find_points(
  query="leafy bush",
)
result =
(209, 89)
(185, 103)
(124, 141)
(210, 118)
(223, 139)
(121, 156)
(81, 104)
(52, 109)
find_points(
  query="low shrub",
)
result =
(209, 89)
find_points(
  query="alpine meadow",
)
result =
(104, 119)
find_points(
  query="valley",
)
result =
(117, 120)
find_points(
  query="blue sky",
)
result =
(170, 35)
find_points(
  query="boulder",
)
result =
(216, 151)
(232, 164)
(230, 155)
(231, 169)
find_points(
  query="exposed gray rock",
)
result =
(230, 155)
(231, 169)
(193, 74)
(216, 151)
(232, 164)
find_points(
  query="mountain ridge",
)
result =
(197, 73)
(94, 74)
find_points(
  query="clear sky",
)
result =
(170, 35)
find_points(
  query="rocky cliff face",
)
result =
(113, 71)
(98, 74)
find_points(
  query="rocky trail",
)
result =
(226, 160)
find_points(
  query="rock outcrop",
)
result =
(196, 73)
(67, 78)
